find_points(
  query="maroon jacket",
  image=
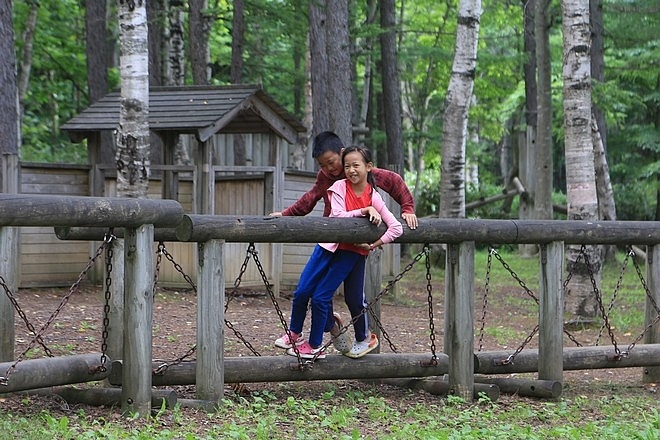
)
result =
(387, 180)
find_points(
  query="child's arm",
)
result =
(394, 185)
(394, 228)
(306, 203)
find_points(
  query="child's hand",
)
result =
(411, 219)
(373, 215)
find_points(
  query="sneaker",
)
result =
(307, 351)
(359, 349)
(339, 340)
(285, 342)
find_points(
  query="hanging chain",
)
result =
(599, 301)
(629, 253)
(25, 319)
(159, 259)
(109, 253)
(429, 291)
(653, 303)
(509, 360)
(484, 307)
(4, 380)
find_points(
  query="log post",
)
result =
(372, 280)
(459, 326)
(652, 336)
(523, 387)
(210, 321)
(551, 311)
(116, 313)
(9, 261)
(9, 265)
(138, 303)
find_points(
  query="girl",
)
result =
(333, 263)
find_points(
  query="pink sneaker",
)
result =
(285, 342)
(307, 351)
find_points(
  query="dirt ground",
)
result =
(77, 329)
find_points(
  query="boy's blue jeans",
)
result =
(322, 275)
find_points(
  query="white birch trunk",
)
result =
(132, 137)
(580, 174)
(457, 104)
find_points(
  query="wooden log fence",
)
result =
(461, 236)
(140, 218)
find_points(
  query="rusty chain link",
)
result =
(4, 380)
(484, 307)
(109, 253)
(629, 254)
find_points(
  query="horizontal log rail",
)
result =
(98, 234)
(54, 210)
(269, 229)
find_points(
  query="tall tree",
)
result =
(579, 152)
(9, 146)
(390, 79)
(199, 27)
(132, 138)
(9, 123)
(457, 104)
(318, 67)
(98, 59)
(339, 70)
(236, 70)
(543, 166)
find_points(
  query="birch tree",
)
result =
(580, 176)
(132, 137)
(457, 104)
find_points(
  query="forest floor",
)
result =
(77, 329)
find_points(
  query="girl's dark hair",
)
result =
(366, 155)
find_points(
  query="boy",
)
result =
(327, 149)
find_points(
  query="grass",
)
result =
(364, 414)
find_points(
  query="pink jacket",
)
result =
(337, 194)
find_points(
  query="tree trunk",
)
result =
(598, 62)
(318, 68)
(133, 166)
(390, 79)
(339, 76)
(543, 151)
(26, 57)
(10, 122)
(580, 180)
(198, 38)
(174, 48)
(236, 70)
(457, 103)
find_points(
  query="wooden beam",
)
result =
(575, 358)
(305, 229)
(103, 396)
(54, 210)
(97, 234)
(439, 387)
(524, 387)
(53, 371)
(285, 368)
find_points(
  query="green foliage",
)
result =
(367, 415)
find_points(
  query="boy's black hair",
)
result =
(366, 155)
(326, 141)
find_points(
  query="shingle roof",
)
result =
(200, 110)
